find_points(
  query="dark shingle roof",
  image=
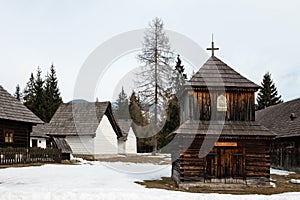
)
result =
(12, 109)
(277, 118)
(62, 145)
(215, 73)
(230, 128)
(125, 125)
(81, 119)
(39, 131)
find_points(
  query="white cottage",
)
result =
(90, 129)
(38, 137)
(128, 146)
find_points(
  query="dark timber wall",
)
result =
(202, 105)
(285, 153)
(249, 159)
(20, 130)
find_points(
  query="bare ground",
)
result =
(163, 159)
(282, 185)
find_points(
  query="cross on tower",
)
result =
(212, 49)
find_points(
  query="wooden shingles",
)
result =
(228, 128)
(125, 125)
(215, 73)
(12, 109)
(81, 119)
(278, 118)
(39, 131)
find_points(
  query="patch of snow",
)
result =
(280, 172)
(296, 181)
(102, 180)
(273, 185)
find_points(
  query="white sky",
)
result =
(253, 36)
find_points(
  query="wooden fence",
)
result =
(31, 155)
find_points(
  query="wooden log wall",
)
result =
(257, 158)
(191, 166)
(285, 153)
(20, 130)
(202, 105)
(250, 159)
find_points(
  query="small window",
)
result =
(221, 103)
(9, 136)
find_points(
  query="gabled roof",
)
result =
(228, 128)
(125, 125)
(81, 119)
(215, 73)
(277, 118)
(62, 145)
(39, 131)
(12, 109)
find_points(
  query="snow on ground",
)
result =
(296, 181)
(280, 172)
(100, 180)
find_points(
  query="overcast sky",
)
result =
(254, 36)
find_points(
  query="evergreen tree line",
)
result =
(41, 96)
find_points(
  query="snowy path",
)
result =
(99, 181)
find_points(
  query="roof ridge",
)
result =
(12, 109)
(227, 76)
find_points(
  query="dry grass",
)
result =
(282, 185)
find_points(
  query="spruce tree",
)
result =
(52, 98)
(180, 76)
(122, 111)
(29, 93)
(18, 94)
(38, 106)
(268, 94)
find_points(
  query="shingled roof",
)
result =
(215, 73)
(125, 125)
(81, 119)
(39, 131)
(228, 128)
(278, 118)
(12, 109)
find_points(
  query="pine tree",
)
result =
(155, 79)
(38, 105)
(122, 111)
(268, 94)
(52, 98)
(18, 94)
(180, 76)
(29, 93)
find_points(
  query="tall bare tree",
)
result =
(154, 82)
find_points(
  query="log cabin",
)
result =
(16, 121)
(219, 140)
(284, 120)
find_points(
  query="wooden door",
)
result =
(224, 165)
(224, 162)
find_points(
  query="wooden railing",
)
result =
(32, 155)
